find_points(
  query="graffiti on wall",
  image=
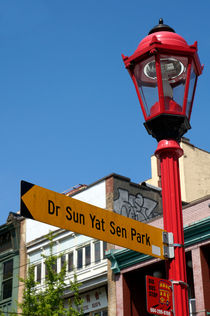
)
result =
(135, 206)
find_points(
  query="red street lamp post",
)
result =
(164, 70)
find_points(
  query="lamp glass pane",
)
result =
(191, 90)
(145, 74)
(174, 74)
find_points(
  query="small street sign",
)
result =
(159, 296)
(68, 213)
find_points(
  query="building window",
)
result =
(46, 271)
(5, 241)
(54, 268)
(63, 261)
(97, 251)
(7, 279)
(38, 273)
(104, 249)
(87, 255)
(79, 258)
(101, 313)
(84, 256)
(70, 261)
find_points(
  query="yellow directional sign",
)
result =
(68, 213)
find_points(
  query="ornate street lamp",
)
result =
(164, 69)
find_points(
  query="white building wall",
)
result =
(35, 229)
(95, 195)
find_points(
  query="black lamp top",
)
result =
(161, 27)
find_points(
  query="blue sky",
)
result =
(69, 112)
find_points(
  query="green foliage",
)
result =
(29, 294)
(49, 300)
(77, 311)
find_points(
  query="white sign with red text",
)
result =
(94, 300)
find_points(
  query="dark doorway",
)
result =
(134, 288)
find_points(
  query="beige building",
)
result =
(194, 172)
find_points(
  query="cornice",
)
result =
(124, 258)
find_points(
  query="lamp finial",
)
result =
(161, 27)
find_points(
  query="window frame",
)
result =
(87, 257)
(79, 258)
(97, 252)
(91, 253)
(7, 278)
(70, 266)
(38, 273)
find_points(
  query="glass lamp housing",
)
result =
(164, 70)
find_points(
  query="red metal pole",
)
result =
(169, 152)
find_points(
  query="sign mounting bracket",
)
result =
(168, 247)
